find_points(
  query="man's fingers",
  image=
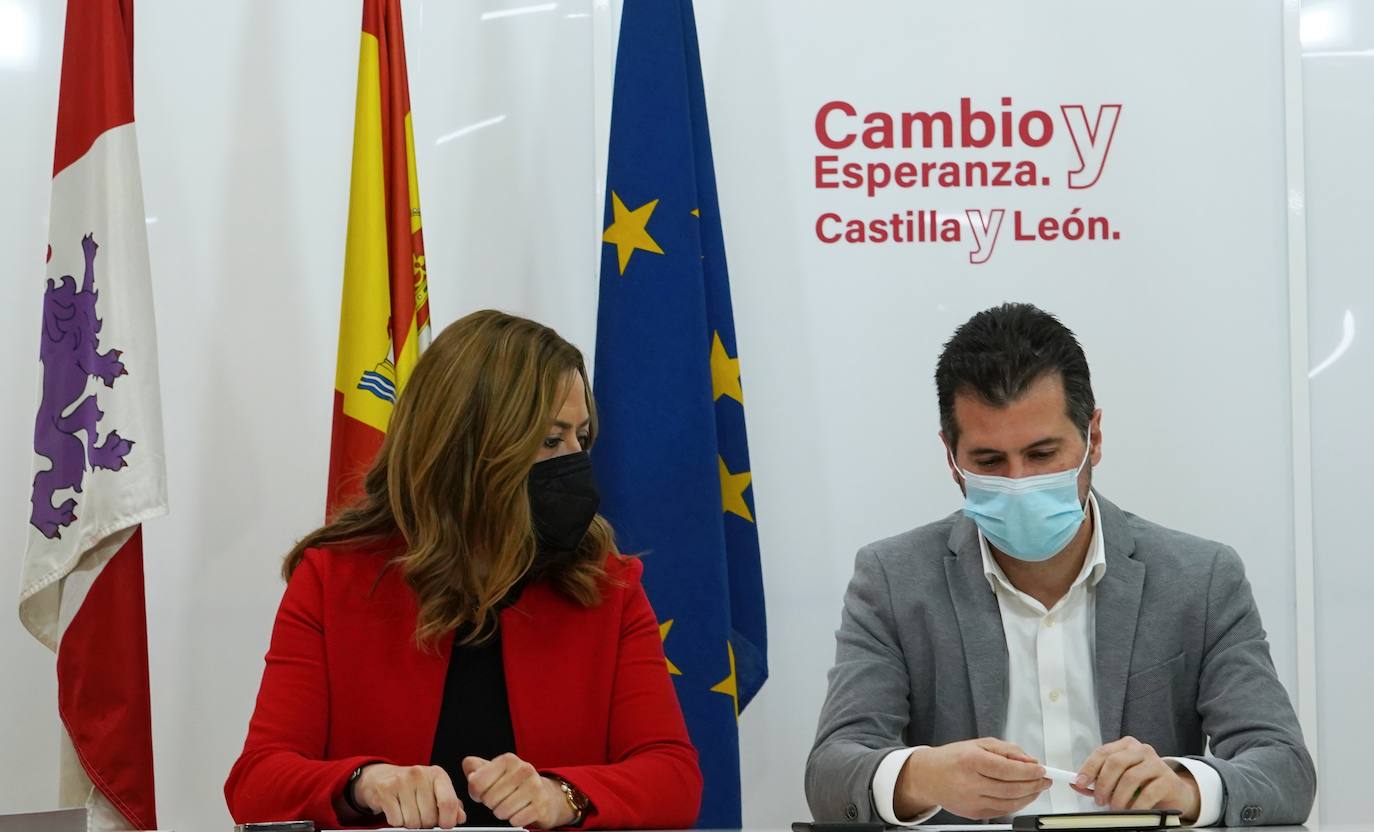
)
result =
(997, 767)
(1015, 790)
(1104, 788)
(1152, 795)
(1093, 765)
(1006, 749)
(1131, 783)
(1119, 745)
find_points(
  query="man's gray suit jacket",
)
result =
(1181, 659)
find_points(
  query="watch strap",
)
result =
(348, 797)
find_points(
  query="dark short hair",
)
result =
(1000, 352)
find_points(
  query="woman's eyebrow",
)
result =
(562, 425)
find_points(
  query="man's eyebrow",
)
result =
(1039, 443)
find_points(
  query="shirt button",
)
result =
(1049, 621)
(1054, 695)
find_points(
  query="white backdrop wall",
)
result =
(1338, 49)
(245, 120)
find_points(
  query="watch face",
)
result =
(578, 800)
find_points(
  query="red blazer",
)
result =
(590, 696)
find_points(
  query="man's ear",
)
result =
(1095, 437)
(949, 460)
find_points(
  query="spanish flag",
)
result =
(384, 321)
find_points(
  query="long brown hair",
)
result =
(450, 478)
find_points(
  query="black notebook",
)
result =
(1148, 819)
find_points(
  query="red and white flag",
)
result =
(98, 463)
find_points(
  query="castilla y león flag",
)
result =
(384, 319)
(98, 464)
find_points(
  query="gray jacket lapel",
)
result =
(980, 628)
(1118, 610)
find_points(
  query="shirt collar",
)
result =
(1094, 562)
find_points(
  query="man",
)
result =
(1044, 626)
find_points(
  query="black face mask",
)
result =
(563, 502)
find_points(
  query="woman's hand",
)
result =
(413, 797)
(516, 793)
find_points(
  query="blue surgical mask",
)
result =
(1031, 518)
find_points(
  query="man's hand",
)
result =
(1128, 774)
(977, 779)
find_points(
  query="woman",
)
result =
(463, 644)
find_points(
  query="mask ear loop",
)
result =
(949, 455)
(1087, 450)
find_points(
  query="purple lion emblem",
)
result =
(69, 351)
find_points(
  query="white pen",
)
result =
(1059, 775)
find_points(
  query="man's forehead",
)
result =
(1038, 416)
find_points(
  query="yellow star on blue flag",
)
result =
(628, 230)
(730, 684)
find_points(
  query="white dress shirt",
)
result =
(1051, 699)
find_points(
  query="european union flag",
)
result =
(672, 457)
